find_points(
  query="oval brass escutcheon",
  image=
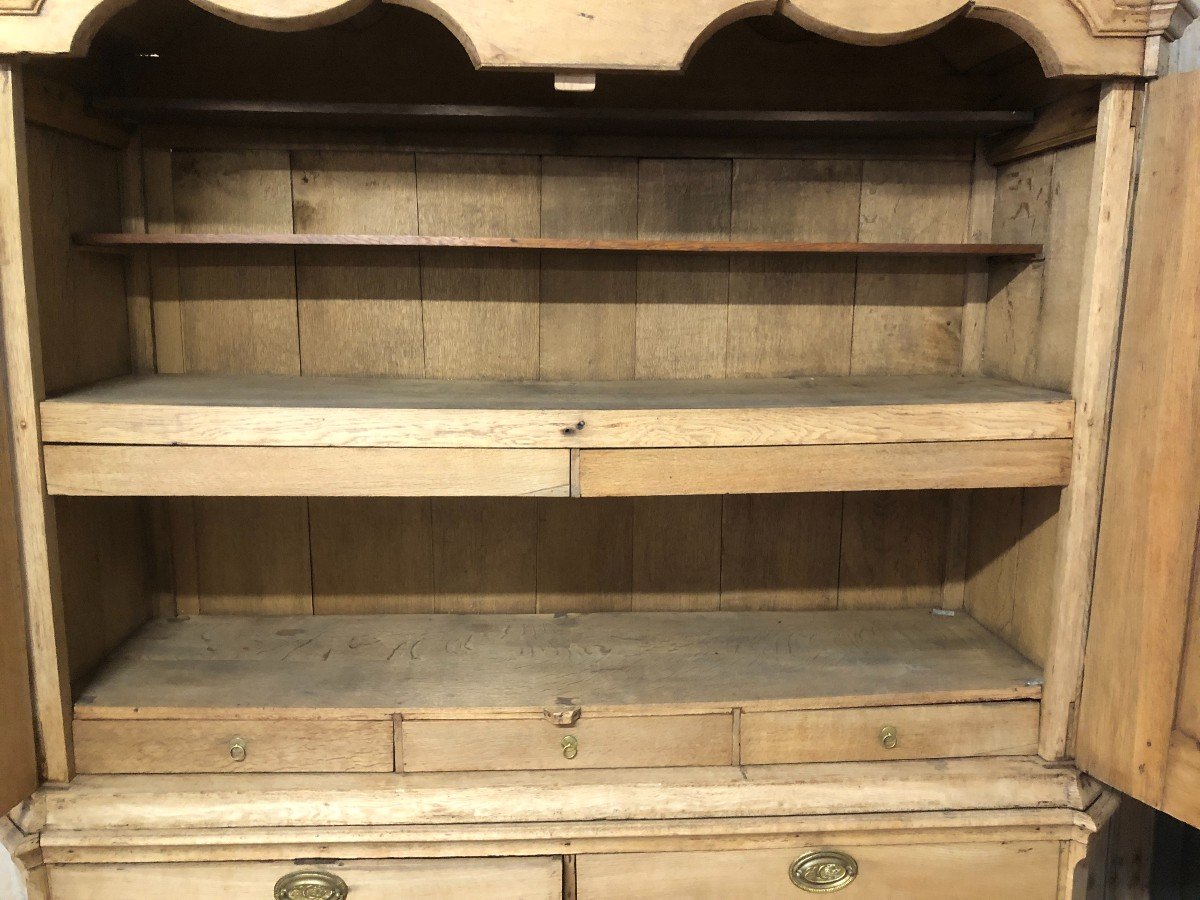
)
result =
(311, 886)
(237, 750)
(823, 871)
(570, 746)
(889, 737)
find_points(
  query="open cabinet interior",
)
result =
(426, 419)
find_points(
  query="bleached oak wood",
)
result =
(18, 747)
(503, 666)
(651, 34)
(861, 467)
(329, 802)
(530, 744)
(102, 470)
(22, 355)
(922, 732)
(547, 838)
(1003, 871)
(1181, 787)
(1139, 733)
(1095, 362)
(166, 746)
(306, 412)
(425, 879)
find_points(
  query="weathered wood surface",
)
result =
(238, 802)
(376, 412)
(476, 666)
(657, 35)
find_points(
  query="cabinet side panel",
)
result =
(1030, 330)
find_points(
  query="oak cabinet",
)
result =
(442, 447)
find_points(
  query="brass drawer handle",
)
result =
(237, 750)
(889, 737)
(823, 871)
(570, 746)
(311, 886)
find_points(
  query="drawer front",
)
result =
(114, 747)
(895, 732)
(997, 871)
(591, 743)
(415, 879)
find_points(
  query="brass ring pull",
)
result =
(570, 746)
(237, 750)
(889, 737)
(823, 871)
(311, 886)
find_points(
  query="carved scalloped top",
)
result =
(1071, 37)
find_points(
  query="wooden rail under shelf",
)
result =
(283, 435)
(121, 241)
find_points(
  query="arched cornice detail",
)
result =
(884, 24)
(1071, 37)
(294, 15)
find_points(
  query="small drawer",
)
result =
(890, 732)
(113, 747)
(535, 878)
(997, 871)
(591, 743)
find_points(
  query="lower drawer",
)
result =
(895, 732)
(997, 871)
(117, 747)
(591, 743)
(416, 879)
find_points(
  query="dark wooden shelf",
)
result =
(575, 119)
(115, 241)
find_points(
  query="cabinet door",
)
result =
(18, 761)
(1139, 720)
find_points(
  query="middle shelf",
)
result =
(237, 435)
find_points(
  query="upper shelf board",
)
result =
(575, 119)
(296, 411)
(118, 241)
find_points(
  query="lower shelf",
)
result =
(604, 690)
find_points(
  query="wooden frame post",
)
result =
(1095, 364)
(23, 371)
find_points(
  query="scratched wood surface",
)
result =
(492, 665)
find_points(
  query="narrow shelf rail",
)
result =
(121, 242)
(574, 119)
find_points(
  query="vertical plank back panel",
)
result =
(682, 306)
(238, 314)
(481, 306)
(676, 553)
(588, 301)
(908, 312)
(792, 315)
(780, 551)
(360, 314)
(561, 316)
(359, 309)
(893, 553)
